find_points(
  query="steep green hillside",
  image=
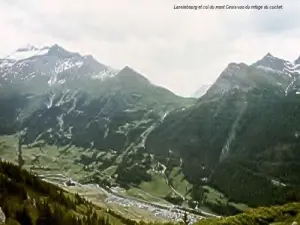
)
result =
(26, 200)
(236, 143)
(277, 215)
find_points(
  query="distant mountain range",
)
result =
(50, 66)
(201, 91)
(240, 137)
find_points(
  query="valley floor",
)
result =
(143, 204)
(54, 166)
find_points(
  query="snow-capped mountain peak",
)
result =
(270, 71)
(269, 55)
(271, 63)
(26, 52)
(50, 66)
(58, 51)
(278, 66)
(28, 47)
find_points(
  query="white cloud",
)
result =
(178, 49)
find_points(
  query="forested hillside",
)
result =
(27, 200)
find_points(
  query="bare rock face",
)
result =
(2, 217)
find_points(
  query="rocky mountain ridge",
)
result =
(269, 72)
(49, 66)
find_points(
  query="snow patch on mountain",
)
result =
(56, 64)
(270, 63)
(164, 116)
(50, 103)
(292, 68)
(62, 100)
(288, 73)
(268, 69)
(27, 52)
(62, 81)
(74, 103)
(291, 84)
(67, 64)
(273, 64)
(60, 122)
(107, 73)
(52, 80)
(104, 74)
(6, 63)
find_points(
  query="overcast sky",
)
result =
(177, 49)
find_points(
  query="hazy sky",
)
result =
(177, 49)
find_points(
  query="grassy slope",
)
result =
(276, 215)
(60, 170)
(25, 199)
(46, 163)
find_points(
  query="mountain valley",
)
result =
(90, 128)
